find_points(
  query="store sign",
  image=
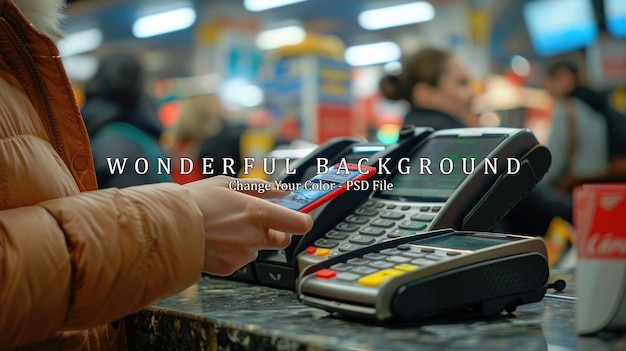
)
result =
(605, 61)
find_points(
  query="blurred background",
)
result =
(309, 70)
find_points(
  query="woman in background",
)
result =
(436, 85)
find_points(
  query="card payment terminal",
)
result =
(437, 273)
(449, 193)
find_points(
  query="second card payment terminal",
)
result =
(443, 272)
(465, 179)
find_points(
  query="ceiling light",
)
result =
(394, 16)
(275, 38)
(164, 22)
(80, 68)
(239, 92)
(262, 5)
(394, 68)
(251, 96)
(370, 54)
(520, 65)
(80, 42)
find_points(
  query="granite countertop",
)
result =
(218, 314)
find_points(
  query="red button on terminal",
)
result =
(325, 273)
(311, 250)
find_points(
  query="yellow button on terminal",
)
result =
(322, 252)
(375, 279)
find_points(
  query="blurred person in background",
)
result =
(203, 131)
(201, 116)
(588, 136)
(74, 260)
(122, 122)
(436, 85)
(580, 146)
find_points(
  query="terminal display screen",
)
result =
(449, 161)
(467, 242)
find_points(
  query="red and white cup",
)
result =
(600, 221)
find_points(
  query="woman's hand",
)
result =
(237, 224)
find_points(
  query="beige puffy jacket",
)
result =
(74, 259)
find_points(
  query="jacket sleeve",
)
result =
(87, 259)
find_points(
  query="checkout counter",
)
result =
(217, 314)
(231, 314)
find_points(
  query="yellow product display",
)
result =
(255, 145)
(558, 238)
(618, 99)
(314, 44)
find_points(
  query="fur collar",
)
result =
(45, 15)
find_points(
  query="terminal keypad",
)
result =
(373, 222)
(374, 268)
